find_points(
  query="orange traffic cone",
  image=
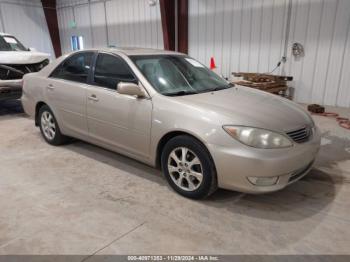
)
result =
(212, 63)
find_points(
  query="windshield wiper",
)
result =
(181, 93)
(223, 87)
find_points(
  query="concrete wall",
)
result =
(26, 21)
(249, 35)
(114, 22)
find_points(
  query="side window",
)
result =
(110, 70)
(75, 68)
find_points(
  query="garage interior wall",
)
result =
(110, 23)
(249, 36)
(26, 21)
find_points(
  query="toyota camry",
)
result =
(169, 111)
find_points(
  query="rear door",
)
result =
(121, 121)
(66, 92)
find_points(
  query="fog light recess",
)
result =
(263, 181)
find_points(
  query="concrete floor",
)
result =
(81, 199)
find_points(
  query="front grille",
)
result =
(300, 135)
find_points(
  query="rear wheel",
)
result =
(49, 127)
(188, 167)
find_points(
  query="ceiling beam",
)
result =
(50, 12)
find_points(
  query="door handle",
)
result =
(50, 87)
(93, 98)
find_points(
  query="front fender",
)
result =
(170, 115)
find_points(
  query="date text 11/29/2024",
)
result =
(173, 258)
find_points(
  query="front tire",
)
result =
(49, 127)
(188, 167)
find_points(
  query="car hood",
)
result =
(22, 57)
(250, 107)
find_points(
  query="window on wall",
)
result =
(77, 43)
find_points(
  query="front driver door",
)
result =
(120, 121)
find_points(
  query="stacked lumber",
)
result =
(274, 84)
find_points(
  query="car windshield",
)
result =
(176, 75)
(10, 43)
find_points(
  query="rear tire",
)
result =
(188, 167)
(49, 127)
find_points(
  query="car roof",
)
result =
(130, 51)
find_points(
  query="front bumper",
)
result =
(235, 165)
(10, 89)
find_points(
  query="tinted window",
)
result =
(110, 70)
(75, 68)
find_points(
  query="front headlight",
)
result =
(257, 137)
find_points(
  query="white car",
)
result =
(16, 61)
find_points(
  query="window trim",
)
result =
(92, 71)
(70, 56)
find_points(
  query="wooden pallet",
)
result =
(274, 84)
(258, 77)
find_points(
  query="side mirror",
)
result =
(32, 49)
(130, 89)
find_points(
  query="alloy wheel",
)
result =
(185, 169)
(48, 125)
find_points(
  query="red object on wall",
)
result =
(212, 63)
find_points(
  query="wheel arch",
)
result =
(37, 108)
(166, 137)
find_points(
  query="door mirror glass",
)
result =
(130, 89)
